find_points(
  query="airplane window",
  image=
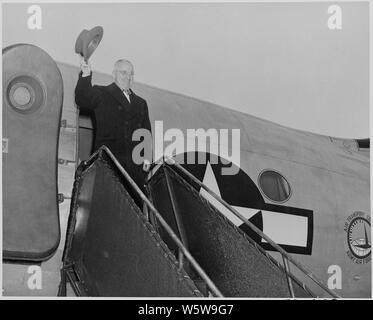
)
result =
(25, 94)
(274, 186)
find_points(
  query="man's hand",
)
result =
(146, 165)
(85, 67)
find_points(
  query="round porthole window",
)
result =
(274, 186)
(25, 94)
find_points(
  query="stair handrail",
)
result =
(164, 224)
(285, 255)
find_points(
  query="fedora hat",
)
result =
(88, 41)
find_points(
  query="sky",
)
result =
(276, 61)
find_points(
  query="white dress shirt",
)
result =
(126, 93)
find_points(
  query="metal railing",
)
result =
(164, 224)
(285, 256)
(183, 251)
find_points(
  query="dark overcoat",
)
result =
(115, 120)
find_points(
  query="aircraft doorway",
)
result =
(86, 137)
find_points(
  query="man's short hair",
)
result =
(119, 62)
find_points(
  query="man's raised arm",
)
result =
(86, 96)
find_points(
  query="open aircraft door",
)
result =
(32, 103)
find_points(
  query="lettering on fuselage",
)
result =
(357, 228)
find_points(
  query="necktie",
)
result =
(128, 94)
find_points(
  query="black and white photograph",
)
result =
(186, 150)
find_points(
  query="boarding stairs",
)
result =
(121, 243)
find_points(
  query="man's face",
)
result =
(123, 75)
